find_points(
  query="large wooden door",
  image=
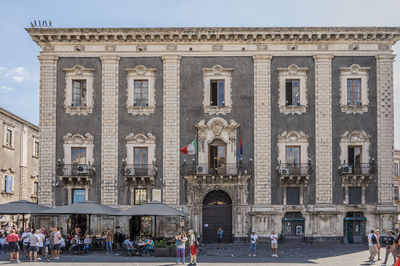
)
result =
(217, 212)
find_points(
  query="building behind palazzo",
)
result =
(19, 163)
(311, 108)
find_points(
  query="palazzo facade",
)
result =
(311, 108)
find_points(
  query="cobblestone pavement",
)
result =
(233, 254)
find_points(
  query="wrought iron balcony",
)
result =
(220, 169)
(139, 170)
(286, 169)
(81, 174)
(75, 170)
(294, 174)
(139, 173)
(363, 169)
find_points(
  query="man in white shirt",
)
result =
(274, 243)
(41, 240)
(253, 244)
(372, 245)
(26, 240)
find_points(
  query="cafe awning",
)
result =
(84, 207)
(154, 208)
(21, 207)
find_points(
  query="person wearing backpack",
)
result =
(372, 244)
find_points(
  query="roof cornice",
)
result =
(43, 36)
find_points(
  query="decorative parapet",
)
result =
(45, 36)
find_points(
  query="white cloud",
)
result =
(6, 89)
(17, 74)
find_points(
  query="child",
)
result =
(86, 243)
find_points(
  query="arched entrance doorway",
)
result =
(293, 225)
(354, 227)
(217, 212)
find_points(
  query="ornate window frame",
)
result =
(7, 172)
(217, 72)
(355, 71)
(143, 73)
(77, 140)
(217, 128)
(79, 72)
(293, 138)
(140, 140)
(293, 72)
(355, 138)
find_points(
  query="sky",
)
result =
(19, 67)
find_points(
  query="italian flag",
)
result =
(190, 148)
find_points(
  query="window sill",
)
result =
(293, 109)
(79, 110)
(141, 110)
(35, 156)
(354, 109)
(217, 110)
(7, 193)
(8, 147)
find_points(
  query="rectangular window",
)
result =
(396, 169)
(8, 183)
(9, 137)
(354, 195)
(36, 189)
(141, 97)
(78, 155)
(217, 93)
(78, 195)
(293, 155)
(140, 196)
(36, 149)
(293, 196)
(354, 156)
(292, 92)
(353, 91)
(79, 93)
(396, 193)
(141, 167)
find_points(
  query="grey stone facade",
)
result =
(255, 65)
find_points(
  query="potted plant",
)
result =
(161, 248)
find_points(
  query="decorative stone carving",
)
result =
(293, 72)
(143, 73)
(323, 47)
(292, 47)
(354, 47)
(140, 140)
(48, 48)
(293, 138)
(354, 72)
(355, 138)
(79, 72)
(383, 47)
(217, 128)
(217, 72)
(78, 140)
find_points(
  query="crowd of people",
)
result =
(392, 246)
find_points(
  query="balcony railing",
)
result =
(287, 169)
(221, 169)
(76, 170)
(139, 170)
(357, 169)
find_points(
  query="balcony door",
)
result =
(217, 157)
(78, 155)
(141, 161)
(354, 157)
(293, 155)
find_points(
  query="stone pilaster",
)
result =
(47, 126)
(323, 128)
(262, 130)
(23, 168)
(109, 130)
(171, 101)
(385, 124)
